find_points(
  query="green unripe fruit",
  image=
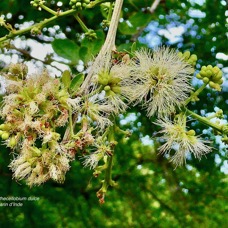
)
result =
(198, 76)
(107, 88)
(186, 55)
(206, 80)
(5, 135)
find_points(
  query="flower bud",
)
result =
(5, 135)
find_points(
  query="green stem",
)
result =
(92, 4)
(71, 124)
(196, 93)
(203, 120)
(41, 24)
(48, 9)
(82, 24)
(110, 13)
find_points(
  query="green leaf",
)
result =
(67, 49)
(91, 48)
(85, 54)
(131, 47)
(66, 78)
(76, 82)
(137, 20)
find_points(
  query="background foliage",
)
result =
(150, 192)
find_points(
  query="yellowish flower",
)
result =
(182, 141)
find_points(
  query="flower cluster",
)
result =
(35, 108)
(32, 110)
(181, 140)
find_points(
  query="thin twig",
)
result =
(154, 6)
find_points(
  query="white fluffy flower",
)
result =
(162, 80)
(181, 140)
(116, 81)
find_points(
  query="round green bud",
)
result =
(212, 84)
(116, 89)
(78, 4)
(191, 133)
(203, 68)
(220, 81)
(203, 73)
(114, 81)
(5, 135)
(216, 77)
(110, 93)
(209, 67)
(209, 73)
(206, 80)
(12, 142)
(198, 76)
(107, 88)
(219, 74)
(193, 57)
(215, 70)
(2, 127)
(180, 54)
(186, 55)
(103, 78)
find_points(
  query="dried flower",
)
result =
(92, 160)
